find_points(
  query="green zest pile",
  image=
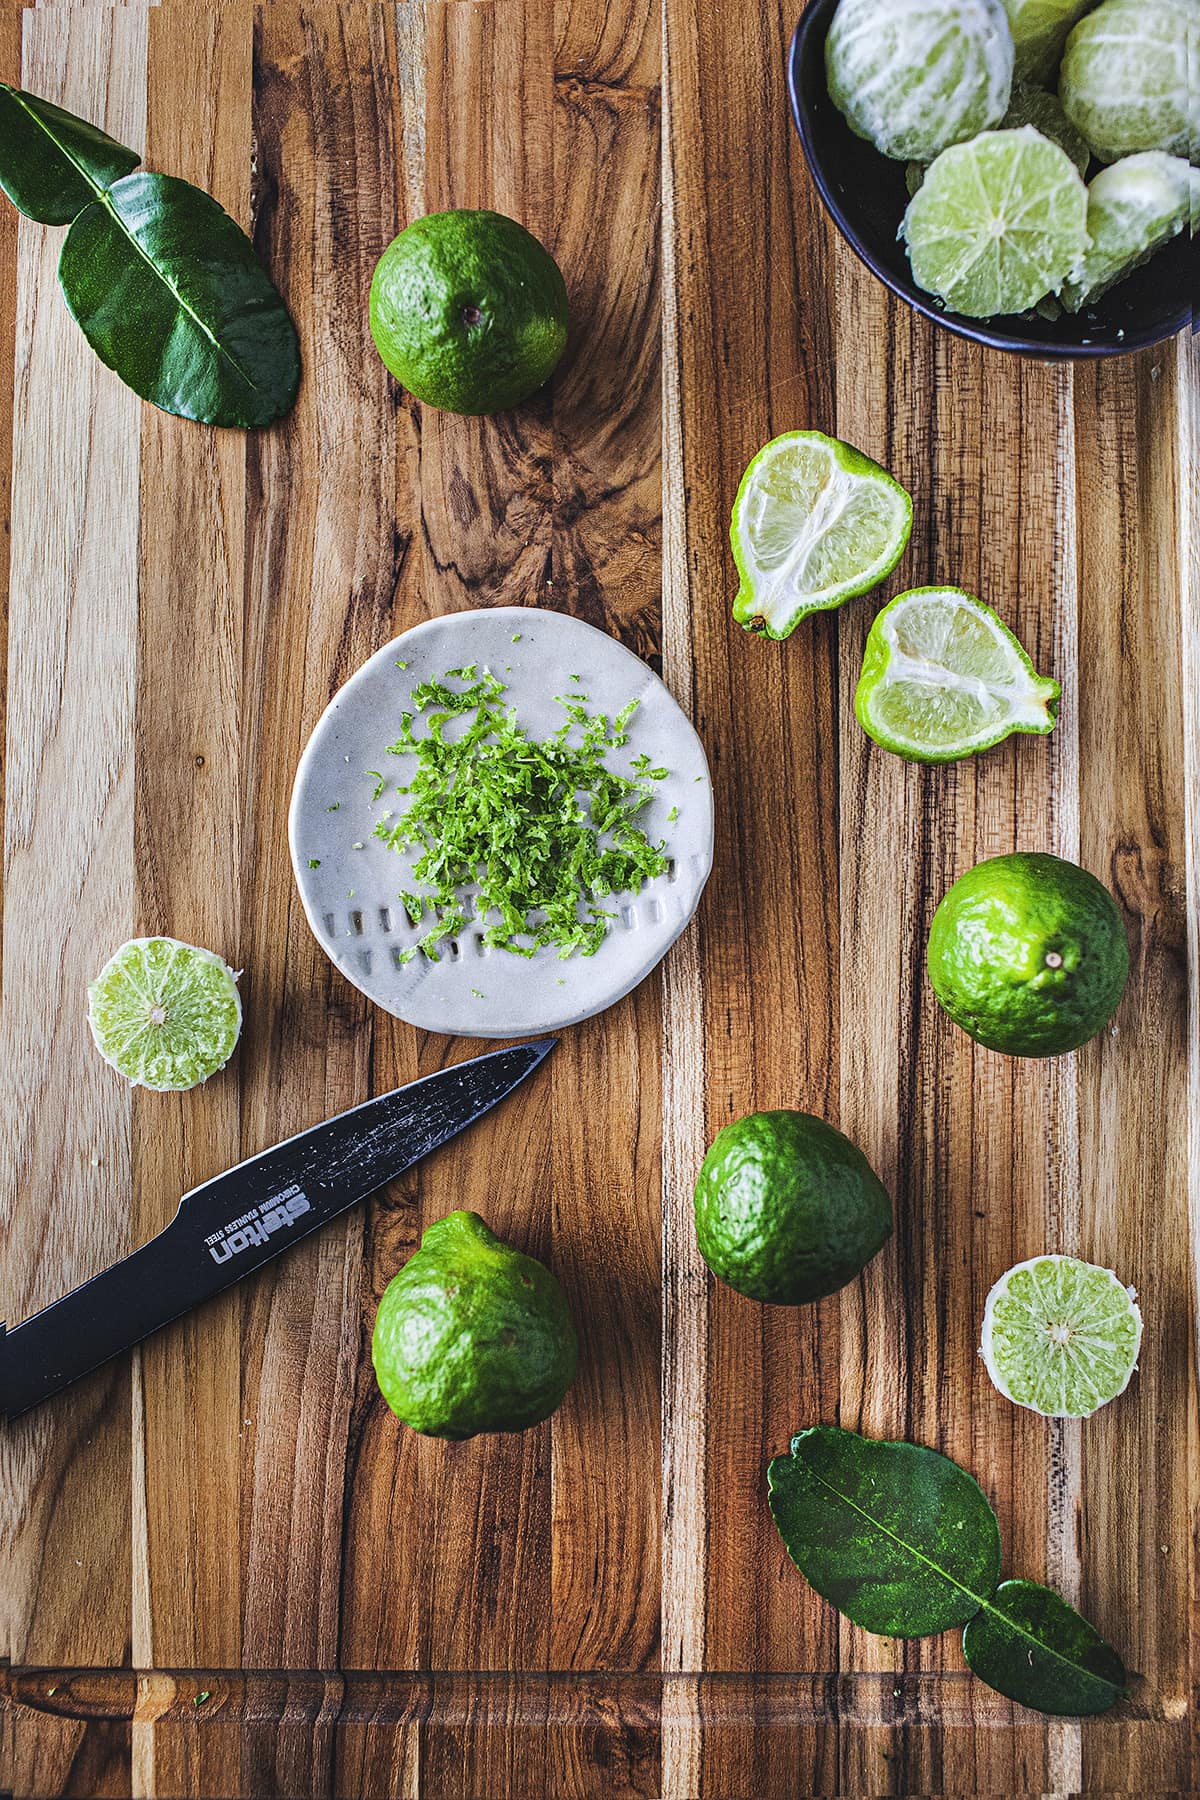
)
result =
(544, 831)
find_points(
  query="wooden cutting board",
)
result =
(226, 1569)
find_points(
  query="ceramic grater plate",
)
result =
(351, 896)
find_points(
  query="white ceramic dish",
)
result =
(351, 895)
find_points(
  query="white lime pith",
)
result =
(815, 523)
(998, 223)
(943, 677)
(1060, 1336)
(1135, 206)
(1130, 78)
(912, 76)
(164, 1014)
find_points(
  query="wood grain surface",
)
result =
(225, 1568)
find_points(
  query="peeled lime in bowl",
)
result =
(912, 76)
(1130, 78)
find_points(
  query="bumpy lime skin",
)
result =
(472, 1335)
(469, 311)
(787, 1209)
(1028, 954)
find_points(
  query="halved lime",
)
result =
(1060, 1336)
(943, 677)
(1040, 30)
(1130, 78)
(815, 523)
(912, 76)
(1135, 206)
(166, 1015)
(998, 223)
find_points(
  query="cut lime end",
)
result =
(944, 678)
(998, 223)
(815, 523)
(1135, 206)
(165, 1015)
(1060, 1336)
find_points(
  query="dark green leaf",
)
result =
(52, 164)
(1032, 1646)
(170, 294)
(898, 1537)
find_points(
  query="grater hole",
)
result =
(385, 918)
(672, 869)
(364, 961)
(654, 911)
(629, 918)
(356, 923)
(330, 924)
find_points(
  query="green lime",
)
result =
(1040, 30)
(472, 1335)
(815, 523)
(1060, 1336)
(468, 311)
(787, 1209)
(1028, 954)
(1135, 206)
(998, 223)
(942, 678)
(1130, 78)
(166, 1015)
(912, 76)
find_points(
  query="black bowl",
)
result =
(866, 196)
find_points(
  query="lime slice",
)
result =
(165, 1014)
(1040, 30)
(1135, 206)
(1130, 78)
(912, 76)
(1060, 1336)
(998, 223)
(942, 677)
(815, 522)
(1033, 106)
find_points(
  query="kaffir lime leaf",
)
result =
(1130, 78)
(166, 1015)
(1135, 206)
(815, 523)
(943, 677)
(1061, 1336)
(998, 223)
(912, 76)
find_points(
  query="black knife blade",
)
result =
(241, 1219)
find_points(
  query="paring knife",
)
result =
(240, 1220)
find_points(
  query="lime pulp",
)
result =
(164, 1014)
(1060, 1336)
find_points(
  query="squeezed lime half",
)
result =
(943, 677)
(1060, 1336)
(166, 1015)
(815, 523)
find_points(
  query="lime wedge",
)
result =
(1060, 1336)
(1135, 206)
(998, 223)
(942, 677)
(912, 76)
(815, 522)
(166, 1015)
(1040, 30)
(1130, 78)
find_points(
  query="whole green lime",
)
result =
(472, 1335)
(469, 311)
(1028, 954)
(787, 1209)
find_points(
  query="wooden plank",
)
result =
(64, 1151)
